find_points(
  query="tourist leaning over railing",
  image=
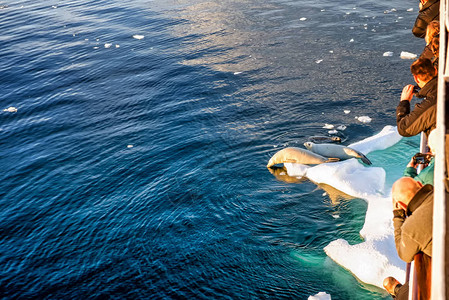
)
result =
(412, 222)
(423, 117)
(429, 10)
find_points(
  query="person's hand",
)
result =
(412, 163)
(407, 92)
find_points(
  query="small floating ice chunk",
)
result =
(130, 146)
(331, 51)
(364, 119)
(138, 36)
(303, 19)
(332, 131)
(408, 55)
(107, 45)
(10, 109)
(410, 9)
(54, 6)
(328, 126)
(388, 53)
(320, 296)
(237, 73)
(336, 216)
(351, 41)
(319, 61)
(96, 47)
(117, 46)
(323, 10)
(346, 111)
(341, 127)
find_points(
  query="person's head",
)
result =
(435, 45)
(432, 30)
(423, 71)
(403, 191)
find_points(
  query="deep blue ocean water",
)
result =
(135, 168)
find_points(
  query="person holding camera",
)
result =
(426, 160)
(412, 222)
(423, 116)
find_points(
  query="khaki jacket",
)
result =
(413, 228)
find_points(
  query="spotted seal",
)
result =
(338, 151)
(297, 155)
(320, 139)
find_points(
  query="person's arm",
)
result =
(405, 245)
(419, 29)
(422, 117)
(410, 170)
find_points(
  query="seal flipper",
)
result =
(332, 159)
(365, 159)
(357, 154)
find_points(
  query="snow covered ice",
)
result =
(375, 258)
(364, 119)
(408, 55)
(320, 296)
(11, 109)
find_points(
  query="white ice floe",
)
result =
(237, 73)
(320, 296)
(410, 9)
(341, 127)
(333, 131)
(388, 137)
(331, 51)
(388, 53)
(138, 36)
(364, 119)
(319, 61)
(408, 55)
(130, 146)
(296, 170)
(10, 109)
(328, 126)
(346, 111)
(375, 258)
(351, 40)
(303, 19)
(117, 46)
(107, 45)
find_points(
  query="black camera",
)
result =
(416, 89)
(422, 158)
